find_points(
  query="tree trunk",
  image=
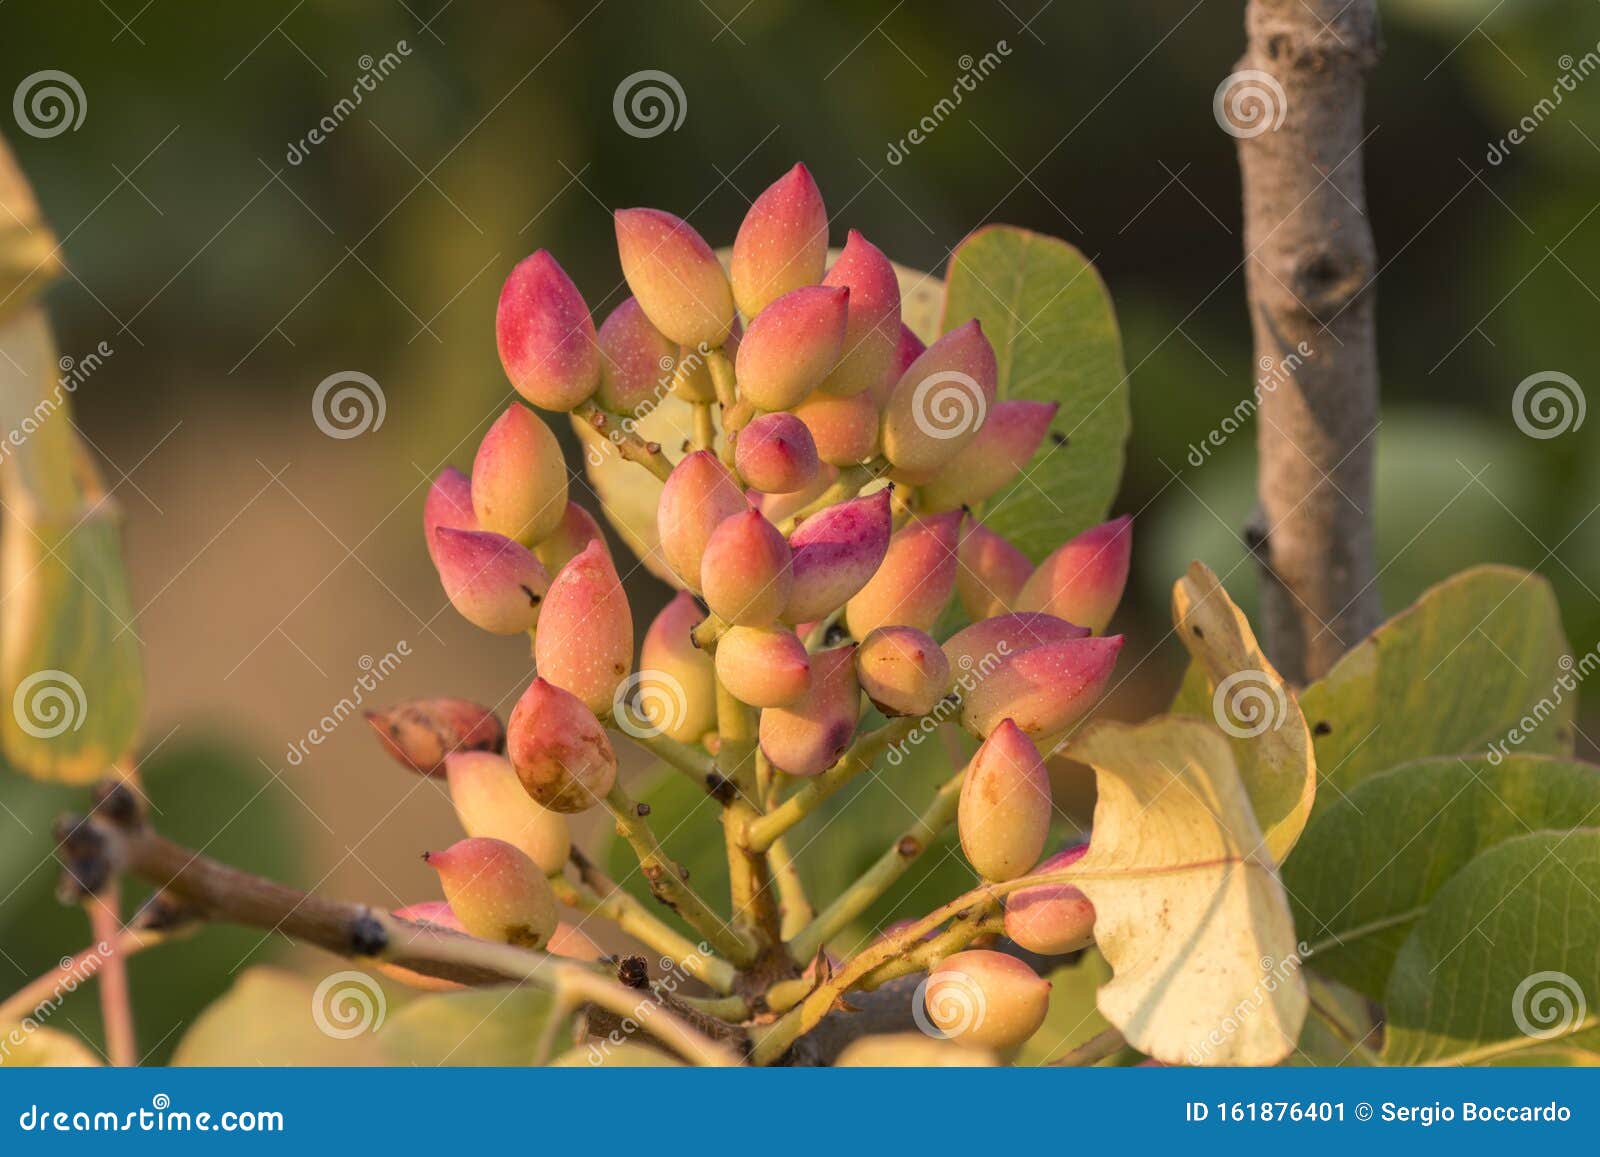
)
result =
(1295, 104)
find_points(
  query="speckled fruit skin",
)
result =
(746, 572)
(496, 584)
(585, 637)
(560, 750)
(496, 891)
(490, 802)
(986, 999)
(810, 736)
(902, 670)
(782, 243)
(421, 732)
(764, 667)
(545, 335)
(836, 551)
(676, 277)
(698, 495)
(776, 454)
(667, 649)
(791, 346)
(913, 584)
(1082, 580)
(519, 478)
(1003, 816)
(1051, 919)
(990, 572)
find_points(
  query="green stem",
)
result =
(926, 954)
(753, 909)
(628, 444)
(705, 427)
(667, 881)
(706, 634)
(888, 868)
(692, 761)
(606, 899)
(761, 833)
(794, 909)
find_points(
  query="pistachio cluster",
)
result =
(821, 527)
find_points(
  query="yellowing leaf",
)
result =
(1476, 656)
(1189, 910)
(482, 1027)
(71, 687)
(32, 1046)
(1245, 696)
(277, 1018)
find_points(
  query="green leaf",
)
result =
(276, 1018)
(1372, 861)
(1232, 684)
(1189, 910)
(1049, 316)
(495, 1026)
(1340, 1029)
(1073, 1016)
(1476, 656)
(1506, 961)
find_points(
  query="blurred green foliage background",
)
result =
(230, 281)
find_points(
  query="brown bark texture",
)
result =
(1296, 102)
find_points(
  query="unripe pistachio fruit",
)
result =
(914, 583)
(1083, 579)
(782, 243)
(668, 651)
(1044, 690)
(1003, 816)
(490, 802)
(637, 363)
(675, 276)
(585, 638)
(698, 495)
(911, 1050)
(811, 735)
(776, 454)
(576, 531)
(908, 348)
(982, 645)
(519, 479)
(791, 345)
(902, 670)
(1004, 445)
(496, 891)
(745, 570)
(779, 507)
(940, 401)
(421, 732)
(496, 584)
(559, 749)
(763, 667)
(986, 999)
(872, 328)
(844, 430)
(449, 504)
(546, 337)
(1051, 919)
(836, 551)
(989, 572)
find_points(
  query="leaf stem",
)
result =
(1105, 1043)
(627, 443)
(667, 881)
(761, 832)
(600, 896)
(889, 867)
